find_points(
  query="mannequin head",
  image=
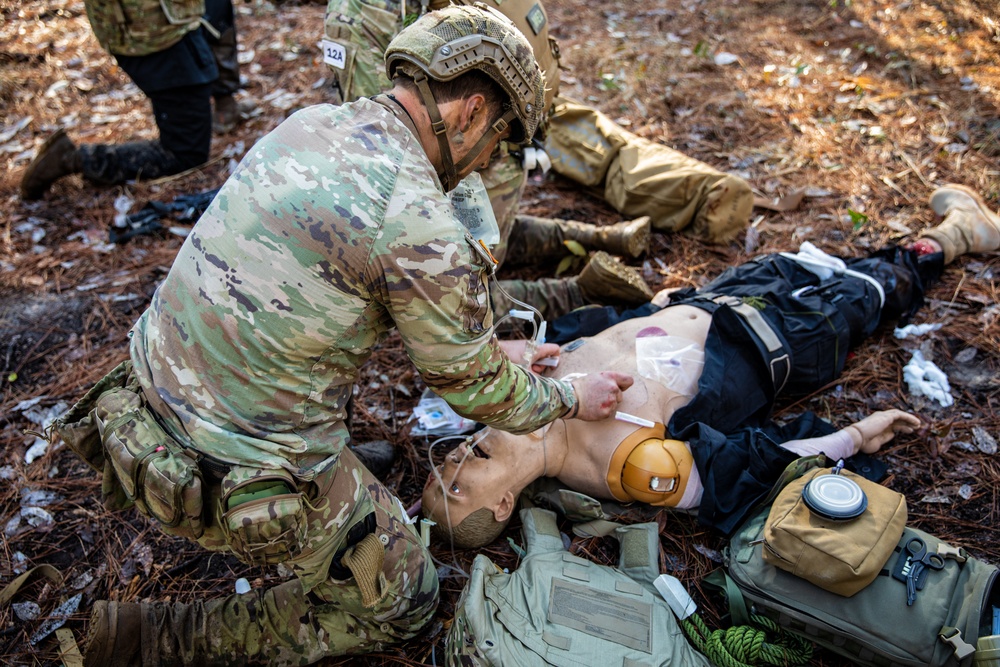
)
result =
(473, 494)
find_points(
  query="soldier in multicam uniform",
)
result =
(182, 55)
(666, 190)
(335, 228)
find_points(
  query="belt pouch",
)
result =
(155, 471)
(263, 515)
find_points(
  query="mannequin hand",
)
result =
(662, 298)
(598, 395)
(875, 430)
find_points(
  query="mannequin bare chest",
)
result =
(592, 444)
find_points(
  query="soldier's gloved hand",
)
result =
(598, 395)
(878, 428)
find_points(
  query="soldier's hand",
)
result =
(878, 428)
(598, 394)
(516, 350)
(545, 351)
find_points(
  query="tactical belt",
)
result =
(772, 349)
(212, 468)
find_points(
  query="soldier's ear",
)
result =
(473, 109)
(504, 507)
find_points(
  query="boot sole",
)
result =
(628, 285)
(638, 243)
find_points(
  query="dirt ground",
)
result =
(864, 105)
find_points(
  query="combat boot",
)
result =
(376, 455)
(229, 113)
(605, 280)
(113, 637)
(628, 239)
(968, 226)
(57, 157)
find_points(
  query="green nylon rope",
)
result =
(748, 646)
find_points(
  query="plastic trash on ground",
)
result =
(435, 417)
(925, 379)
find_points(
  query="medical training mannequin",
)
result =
(494, 472)
(779, 324)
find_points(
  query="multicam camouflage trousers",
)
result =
(317, 614)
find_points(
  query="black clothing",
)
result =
(179, 82)
(734, 443)
(189, 62)
(184, 118)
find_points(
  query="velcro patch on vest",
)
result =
(609, 616)
(536, 18)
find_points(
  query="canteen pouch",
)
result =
(842, 557)
(154, 470)
(875, 627)
(263, 515)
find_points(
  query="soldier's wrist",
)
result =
(574, 409)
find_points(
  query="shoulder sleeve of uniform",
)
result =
(436, 289)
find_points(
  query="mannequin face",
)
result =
(469, 480)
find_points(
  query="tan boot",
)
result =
(605, 280)
(630, 239)
(229, 113)
(968, 226)
(113, 638)
(56, 158)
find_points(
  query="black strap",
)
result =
(771, 346)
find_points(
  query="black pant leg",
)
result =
(184, 119)
(220, 14)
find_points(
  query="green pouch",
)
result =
(78, 429)
(155, 471)
(263, 515)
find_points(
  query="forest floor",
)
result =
(864, 105)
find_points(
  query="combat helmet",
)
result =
(449, 42)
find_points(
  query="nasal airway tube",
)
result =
(632, 419)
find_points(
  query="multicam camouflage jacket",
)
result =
(333, 230)
(141, 27)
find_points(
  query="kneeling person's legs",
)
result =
(323, 612)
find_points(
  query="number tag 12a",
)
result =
(334, 54)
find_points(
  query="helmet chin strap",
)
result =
(449, 177)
